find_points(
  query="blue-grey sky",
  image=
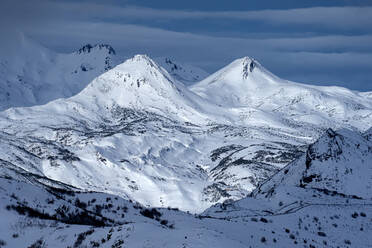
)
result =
(323, 42)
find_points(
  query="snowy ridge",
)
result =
(185, 73)
(338, 163)
(335, 169)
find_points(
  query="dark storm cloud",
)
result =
(321, 58)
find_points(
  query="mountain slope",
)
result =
(338, 163)
(321, 199)
(246, 84)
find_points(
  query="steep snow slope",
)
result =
(31, 74)
(339, 163)
(245, 83)
(336, 169)
(185, 73)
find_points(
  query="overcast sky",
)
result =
(327, 42)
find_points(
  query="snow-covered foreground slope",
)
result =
(321, 199)
(51, 214)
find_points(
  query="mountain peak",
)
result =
(244, 66)
(143, 58)
(248, 66)
(237, 83)
(89, 48)
(143, 64)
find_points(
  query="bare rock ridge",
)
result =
(88, 48)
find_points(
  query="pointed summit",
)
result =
(234, 84)
(248, 66)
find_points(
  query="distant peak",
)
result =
(88, 48)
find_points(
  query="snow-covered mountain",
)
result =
(173, 147)
(285, 162)
(248, 87)
(32, 75)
